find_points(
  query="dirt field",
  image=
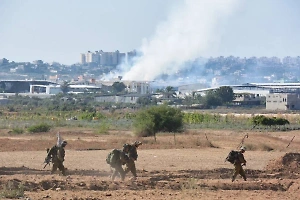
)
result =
(189, 166)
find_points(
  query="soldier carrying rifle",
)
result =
(131, 151)
(56, 155)
(238, 160)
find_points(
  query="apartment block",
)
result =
(106, 58)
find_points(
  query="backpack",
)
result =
(126, 147)
(113, 157)
(232, 156)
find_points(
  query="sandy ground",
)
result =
(191, 166)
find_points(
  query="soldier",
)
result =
(238, 163)
(57, 155)
(131, 151)
(116, 158)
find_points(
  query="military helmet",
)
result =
(137, 143)
(64, 143)
(243, 148)
(126, 147)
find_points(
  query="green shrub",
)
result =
(92, 115)
(39, 128)
(17, 131)
(103, 129)
(158, 119)
(198, 118)
(267, 121)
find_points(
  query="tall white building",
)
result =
(106, 58)
(92, 57)
(82, 58)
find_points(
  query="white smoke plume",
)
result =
(190, 32)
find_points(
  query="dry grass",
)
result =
(190, 184)
(180, 140)
(12, 190)
(180, 167)
(259, 147)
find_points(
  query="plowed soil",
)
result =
(187, 166)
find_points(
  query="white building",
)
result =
(92, 57)
(126, 98)
(55, 89)
(283, 101)
(137, 87)
(45, 89)
(82, 58)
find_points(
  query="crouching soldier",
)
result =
(131, 151)
(56, 155)
(239, 162)
(116, 158)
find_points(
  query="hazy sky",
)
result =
(59, 30)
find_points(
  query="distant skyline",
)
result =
(60, 30)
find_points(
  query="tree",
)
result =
(118, 87)
(65, 87)
(225, 93)
(193, 99)
(211, 99)
(169, 89)
(159, 90)
(158, 119)
(4, 61)
(144, 101)
(169, 92)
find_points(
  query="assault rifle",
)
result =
(242, 142)
(245, 136)
(290, 142)
(47, 161)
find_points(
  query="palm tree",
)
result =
(169, 89)
(169, 92)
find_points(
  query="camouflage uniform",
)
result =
(117, 166)
(238, 169)
(131, 151)
(57, 155)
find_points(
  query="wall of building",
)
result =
(138, 87)
(283, 101)
(126, 99)
(248, 99)
(82, 58)
(103, 99)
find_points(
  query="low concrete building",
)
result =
(137, 87)
(283, 101)
(126, 98)
(105, 99)
(45, 89)
(248, 99)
